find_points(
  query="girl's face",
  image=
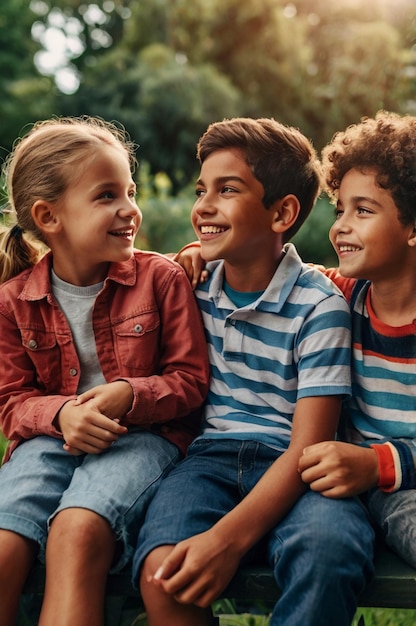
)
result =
(367, 235)
(96, 219)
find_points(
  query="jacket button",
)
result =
(138, 328)
(73, 371)
(33, 344)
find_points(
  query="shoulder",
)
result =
(159, 269)
(149, 256)
(155, 263)
(307, 284)
(32, 284)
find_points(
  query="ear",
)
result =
(286, 211)
(412, 237)
(43, 214)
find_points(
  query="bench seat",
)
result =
(394, 587)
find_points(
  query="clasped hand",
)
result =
(339, 470)
(198, 569)
(91, 423)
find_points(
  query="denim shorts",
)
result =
(41, 479)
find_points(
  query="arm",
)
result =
(198, 569)
(189, 257)
(179, 382)
(25, 410)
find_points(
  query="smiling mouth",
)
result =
(212, 230)
(123, 233)
(348, 249)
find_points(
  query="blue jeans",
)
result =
(321, 552)
(41, 479)
(395, 514)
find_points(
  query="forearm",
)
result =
(266, 504)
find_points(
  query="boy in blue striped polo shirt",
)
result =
(371, 174)
(278, 334)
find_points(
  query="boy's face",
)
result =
(228, 216)
(367, 235)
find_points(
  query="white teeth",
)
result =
(211, 230)
(122, 233)
(348, 249)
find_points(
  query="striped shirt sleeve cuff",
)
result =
(396, 466)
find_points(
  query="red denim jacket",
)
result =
(148, 331)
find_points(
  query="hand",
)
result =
(113, 399)
(193, 264)
(198, 569)
(77, 451)
(339, 470)
(85, 428)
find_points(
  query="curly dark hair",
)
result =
(385, 144)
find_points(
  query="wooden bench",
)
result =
(394, 586)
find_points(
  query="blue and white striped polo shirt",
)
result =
(293, 342)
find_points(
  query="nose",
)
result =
(341, 224)
(129, 207)
(203, 205)
(129, 210)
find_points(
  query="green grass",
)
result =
(371, 617)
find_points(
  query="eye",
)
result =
(363, 211)
(228, 189)
(199, 192)
(106, 195)
(338, 213)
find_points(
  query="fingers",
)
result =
(71, 450)
(93, 434)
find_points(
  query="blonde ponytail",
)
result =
(17, 252)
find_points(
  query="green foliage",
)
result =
(165, 69)
(386, 617)
(312, 241)
(166, 225)
(24, 93)
(371, 617)
(3, 445)
(164, 103)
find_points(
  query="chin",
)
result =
(351, 273)
(208, 255)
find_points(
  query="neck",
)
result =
(395, 303)
(251, 277)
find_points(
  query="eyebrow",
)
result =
(112, 183)
(358, 199)
(224, 179)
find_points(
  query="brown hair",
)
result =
(281, 158)
(42, 165)
(385, 144)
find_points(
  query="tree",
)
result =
(25, 93)
(165, 104)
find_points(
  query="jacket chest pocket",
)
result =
(137, 344)
(45, 353)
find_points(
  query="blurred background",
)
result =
(165, 69)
